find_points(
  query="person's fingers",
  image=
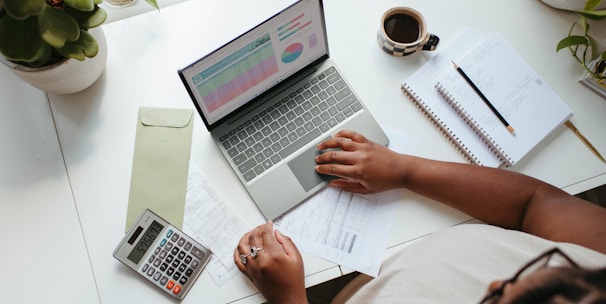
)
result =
(344, 140)
(238, 262)
(336, 156)
(242, 248)
(288, 245)
(349, 186)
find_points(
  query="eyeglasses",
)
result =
(536, 263)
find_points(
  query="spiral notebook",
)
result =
(512, 86)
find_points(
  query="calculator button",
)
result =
(163, 267)
(170, 271)
(157, 262)
(175, 237)
(151, 271)
(145, 267)
(181, 242)
(195, 264)
(170, 284)
(169, 246)
(189, 271)
(169, 258)
(182, 267)
(187, 259)
(151, 258)
(164, 280)
(175, 251)
(197, 253)
(157, 250)
(177, 289)
(181, 255)
(187, 246)
(183, 280)
(157, 276)
(163, 254)
(177, 276)
(176, 263)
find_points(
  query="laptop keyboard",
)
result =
(263, 141)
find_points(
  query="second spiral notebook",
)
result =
(511, 89)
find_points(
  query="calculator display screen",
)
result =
(145, 242)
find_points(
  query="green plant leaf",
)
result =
(85, 46)
(43, 60)
(87, 20)
(81, 5)
(573, 40)
(153, 3)
(56, 27)
(19, 40)
(595, 15)
(22, 9)
(591, 4)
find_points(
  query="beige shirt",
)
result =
(456, 265)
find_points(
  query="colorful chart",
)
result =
(292, 52)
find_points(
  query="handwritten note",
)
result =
(519, 94)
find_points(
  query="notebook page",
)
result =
(530, 106)
(420, 88)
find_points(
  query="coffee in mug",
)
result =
(403, 31)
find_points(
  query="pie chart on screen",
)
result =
(292, 52)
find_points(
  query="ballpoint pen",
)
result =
(584, 140)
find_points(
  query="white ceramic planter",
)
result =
(69, 76)
(119, 3)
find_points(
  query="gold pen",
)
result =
(584, 140)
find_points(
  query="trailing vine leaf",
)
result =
(153, 3)
(572, 41)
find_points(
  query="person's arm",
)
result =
(495, 196)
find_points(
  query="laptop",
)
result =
(269, 97)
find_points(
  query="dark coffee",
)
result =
(402, 28)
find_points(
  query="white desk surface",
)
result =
(71, 193)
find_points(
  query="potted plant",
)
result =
(40, 38)
(584, 48)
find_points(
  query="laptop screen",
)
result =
(258, 60)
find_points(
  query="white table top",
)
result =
(77, 179)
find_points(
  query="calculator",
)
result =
(162, 254)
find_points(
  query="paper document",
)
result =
(212, 222)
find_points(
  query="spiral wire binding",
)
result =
(441, 126)
(472, 122)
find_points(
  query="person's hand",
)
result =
(362, 165)
(277, 269)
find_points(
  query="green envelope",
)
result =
(160, 164)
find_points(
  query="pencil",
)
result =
(486, 101)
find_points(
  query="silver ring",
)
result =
(254, 251)
(243, 258)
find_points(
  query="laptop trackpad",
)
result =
(303, 166)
